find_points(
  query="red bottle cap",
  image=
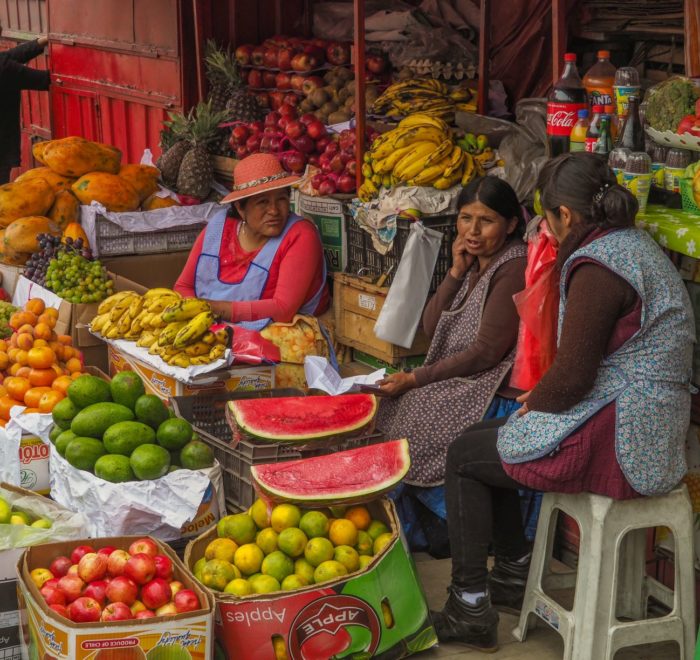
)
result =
(604, 54)
(570, 57)
(598, 108)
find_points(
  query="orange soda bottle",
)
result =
(599, 80)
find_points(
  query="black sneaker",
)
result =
(506, 585)
(475, 626)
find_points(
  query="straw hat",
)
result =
(258, 173)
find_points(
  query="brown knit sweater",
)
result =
(597, 299)
(498, 331)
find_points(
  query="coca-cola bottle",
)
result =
(567, 97)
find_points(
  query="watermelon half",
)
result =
(302, 418)
(355, 475)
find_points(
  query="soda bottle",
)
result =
(626, 85)
(577, 139)
(603, 145)
(600, 79)
(614, 122)
(632, 133)
(593, 128)
(567, 97)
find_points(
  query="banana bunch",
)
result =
(423, 95)
(478, 146)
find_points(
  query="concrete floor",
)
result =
(542, 643)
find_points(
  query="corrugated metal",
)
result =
(74, 113)
(20, 18)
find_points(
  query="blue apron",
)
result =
(208, 284)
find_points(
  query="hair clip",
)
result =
(598, 197)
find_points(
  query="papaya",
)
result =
(75, 231)
(38, 151)
(21, 235)
(75, 156)
(113, 192)
(65, 209)
(56, 181)
(24, 199)
(154, 202)
(12, 258)
(143, 178)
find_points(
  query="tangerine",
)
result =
(17, 387)
(38, 343)
(49, 400)
(66, 340)
(33, 396)
(61, 384)
(41, 357)
(25, 341)
(35, 305)
(359, 516)
(6, 404)
(42, 331)
(51, 311)
(28, 411)
(23, 371)
(42, 377)
(67, 353)
(21, 357)
(74, 365)
(48, 319)
(343, 532)
(4, 361)
(76, 375)
(14, 369)
(3, 345)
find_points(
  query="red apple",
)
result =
(73, 570)
(316, 130)
(288, 110)
(284, 120)
(164, 567)
(337, 164)
(291, 99)
(59, 566)
(294, 129)
(122, 590)
(297, 81)
(140, 568)
(244, 54)
(270, 58)
(331, 149)
(116, 562)
(156, 593)
(168, 609)
(176, 586)
(84, 610)
(307, 118)
(53, 596)
(322, 143)
(276, 100)
(294, 162)
(338, 53)
(346, 183)
(145, 614)
(351, 168)
(271, 119)
(240, 134)
(304, 144)
(304, 62)
(241, 153)
(71, 586)
(317, 42)
(269, 79)
(263, 99)
(97, 590)
(255, 79)
(59, 609)
(257, 56)
(256, 127)
(316, 50)
(53, 582)
(327, 188)
(313, 160)
(252, 144)
(107, 550)
(284, 58)
(317, 180)
(375, 63)
(145, 545)
(283, 81)
(311, 83)
(117, 612)
(186, 601)
(92, 566)
(79, 552)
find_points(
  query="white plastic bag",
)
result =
(399, 317)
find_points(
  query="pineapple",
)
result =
(197, 169)
(175, 146)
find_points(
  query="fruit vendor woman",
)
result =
(266, 265)
(473, 323)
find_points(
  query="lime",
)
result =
(126, 387)
(267, 540)
(174, 434)
(55, 432)
(265, 584)
(249, 558)
(377, 528)
(278, 565)
(318, 550)
(150, 410)
(5, 511)
(82, 453)
(382, 541)
(329, 570)
(217, 573)
(285, 515)
(149, 462)
(364, 544)
(115, 468)
(365, 561)
(260, 514)
(293, 582)
(304, 570)
(239, 587)
(292, 541)
(314, 523)
(348, 557)
(239, 527)
(198, 566)
(195, 455)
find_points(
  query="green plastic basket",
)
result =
(687, 196)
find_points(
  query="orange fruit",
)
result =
(359, 516)
(38, 343)
(13, 341)
(25, 341)
(21, 357)
(74, 365)
(76, 375)
(4, 361)
(48, 319)
(3, 391)
(17, 387)
(27, 411)
(14, 369)
(61, 384)
(33, 396)
(66, 340)
(42, 377)
(41, 357)
(35, 305)
(23, 371)
(16, 320)
(3, 346)
(28, 328)
(3, 422)
(49, 400)
(6, 404)
(42, 331)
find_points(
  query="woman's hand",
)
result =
(221, 308)
(461, 259)
(42, 41)
(397, 384)
(523, 399)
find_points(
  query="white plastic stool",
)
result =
(612, 556)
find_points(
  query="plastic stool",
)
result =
(612, 559)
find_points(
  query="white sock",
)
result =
(471, 598)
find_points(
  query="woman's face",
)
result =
(266, 214)
(483, 230)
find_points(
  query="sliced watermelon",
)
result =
(302, 418)
(355, 475)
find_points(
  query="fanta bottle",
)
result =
(599, 81)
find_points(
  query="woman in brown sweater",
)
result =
(473, 326)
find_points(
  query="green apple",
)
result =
(42, 523)
(5, 511)
(19, 518)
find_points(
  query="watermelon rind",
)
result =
(252, 422)
(306, 474)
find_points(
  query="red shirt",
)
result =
(296, 273)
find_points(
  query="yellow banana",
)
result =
(146, 339)
(157, 305)
(217, 352)
(469, 169)
(124, 325)
(460, 94)
(200, 359)
(160, 291)
(444, 149)
(197, 349)
(386, 165)
(423, 119)
(185, 309)
(428, 175)
(135, 307)
(157, 321)
(179, 360)
(122, 307)
(444, 183)
(412, 163)
(209, 338)
(194, 329)
(457, 159)
(107, 304)
(167, 337)
(98, 322)
(224, 335)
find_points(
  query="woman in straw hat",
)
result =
(264, 266)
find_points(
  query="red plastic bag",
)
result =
(249, 347)
(538, 308)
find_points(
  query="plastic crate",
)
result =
(364, 259)
(688, 197)
(207, 414)
(112, 240)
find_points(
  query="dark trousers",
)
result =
(483, 506)
(5, 173)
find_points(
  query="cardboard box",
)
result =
(10, 275)
(412, 362)
(45, 634)
(330, 216)
(236, 378)
(152, 271)
(380, 611)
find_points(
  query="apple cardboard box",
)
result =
(380, 611)
(152, 271)
(46, 634)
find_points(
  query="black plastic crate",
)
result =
(207, 414)
(364, 259)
